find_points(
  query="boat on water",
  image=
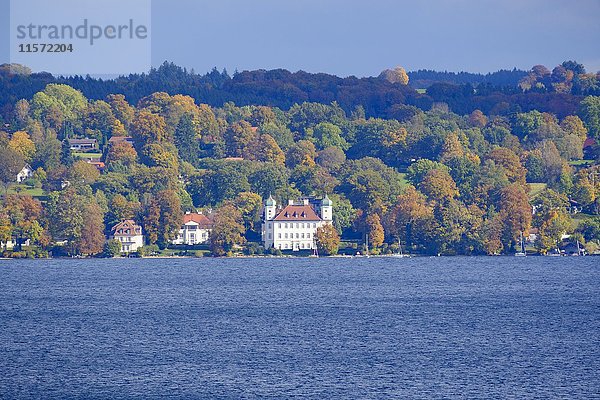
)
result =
(400, 254)
(523, 252)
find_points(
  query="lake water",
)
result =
(504, 327)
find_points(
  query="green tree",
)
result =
(186, 140)
(66, 157)
(329, 135)
(11, 163)
(112, 248)
(302, 153)
(343, 213)
(238, 138)
(370, 185)
(590, 114)
(250, 206)
(417, 170)
(281, 134)
(331, 158)
(210, 188)
(162, 217)
(68, 216)
(58, 103)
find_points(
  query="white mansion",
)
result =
(294, 226)
(129, 234)
(195, 229)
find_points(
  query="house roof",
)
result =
(200, 219)
(82, 141)
(297, 213)
(127, 224)
(117, 139)
(97, 164)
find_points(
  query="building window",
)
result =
(286, 225)
(286, 235)
(270, 236)
(278, 225)
(297, 236)
(302, 236)
(308, 235)
(279, 236)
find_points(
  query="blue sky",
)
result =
(349, 37)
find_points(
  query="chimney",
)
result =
(290, 202)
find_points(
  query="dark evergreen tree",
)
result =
(186, 140)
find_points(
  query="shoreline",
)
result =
(289, 257)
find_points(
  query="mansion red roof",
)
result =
(98, 164)
(297, 213)
(202, 220)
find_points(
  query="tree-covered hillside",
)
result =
(455, 171)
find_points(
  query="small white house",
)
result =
(83, 144)
(24, 174)
(10, 245)
(196, 229)
(129, 234)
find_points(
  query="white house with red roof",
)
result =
(129, 234)
(196, 229)
(294, 226)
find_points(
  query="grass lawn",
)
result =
(581, 163)
(87, 155)
(403, 177)
(535, 189)
(24, 189)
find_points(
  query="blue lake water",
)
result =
(430, 328)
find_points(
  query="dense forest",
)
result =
(464, 168)
(501, 93)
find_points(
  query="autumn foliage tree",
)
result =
(162, 217)
(228, 230)
(374, 230)
(327, 239)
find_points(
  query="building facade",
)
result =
(83, 144)
(196, 229)
(294, 226)
(129, 234)
(25, 173)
